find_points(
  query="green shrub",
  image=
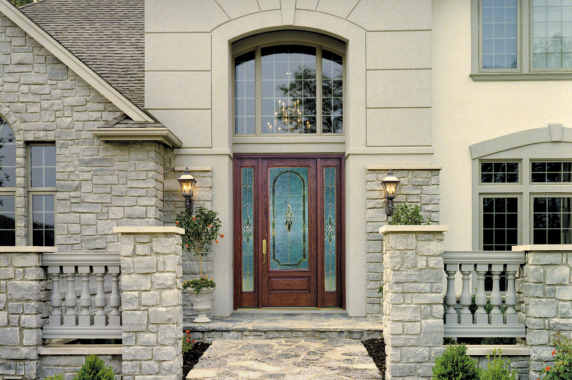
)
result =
(406, 215)
(95, 369)
(455, 364)
(562, 369)
(55, 377)
(498, 368)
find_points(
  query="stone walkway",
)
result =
(286, 359)
(295, 325)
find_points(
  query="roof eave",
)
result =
(160, 135)
(71, 61)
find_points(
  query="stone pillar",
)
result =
(22, 296)
(545, 298)
(151, 296)
(413, 326)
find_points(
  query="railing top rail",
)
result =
(484, 257)
(81, 259)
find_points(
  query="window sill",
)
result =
(304, 139)
(497, 77)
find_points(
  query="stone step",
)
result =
(295, 326)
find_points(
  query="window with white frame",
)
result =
(42, 187)
(522, 37)
(7, 185)
(288, 88)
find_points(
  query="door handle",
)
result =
(264, 250)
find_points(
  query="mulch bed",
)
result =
(376, 349)
(192, 357)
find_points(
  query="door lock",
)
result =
(264, 250)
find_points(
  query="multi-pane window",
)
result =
(499, 34)
(500, 223)
(523, 36)
(7, 185)
(499, 172)
(548, 172)
(552, 221)
(552, 34)
(300, 87)
(42, 194)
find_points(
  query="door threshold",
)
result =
(291, 310)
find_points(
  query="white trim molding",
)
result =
(28, 249)
(413, 229)
(508, 350)
(543, 248)
(161, 135)
(403, 167)
(73, 62)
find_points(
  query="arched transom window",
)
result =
(7, 184)
(289, 88)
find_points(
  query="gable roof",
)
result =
(107, 35)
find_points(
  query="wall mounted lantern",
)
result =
(188, 183)
(390, 187)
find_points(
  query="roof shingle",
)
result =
(106, 35)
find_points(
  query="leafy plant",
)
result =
(20, 3)
(55, 377)
(201, 229)
(187, 342)
(380, 290)
(562, 369)
(199, 283)
(455, 364)
(406, 215)
(498, 368)
(95, 369)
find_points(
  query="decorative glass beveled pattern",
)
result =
(499, 34)
(330, 229)
(288, 218)
(247, 229)
(552, 34)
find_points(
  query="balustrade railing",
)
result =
(85, 296)
(502, 318)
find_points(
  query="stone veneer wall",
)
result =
(420, 187)
(174, 204)
(68, 365)
(413, 327)
(99, 185)
(151, 298)
(22, 293)
(545, 299)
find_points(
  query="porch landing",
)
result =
(249, 325)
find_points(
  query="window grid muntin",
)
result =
(542, 171)
(332, 62)
(484, 6)
(557, 222)
(548, 17)
(7, 226)
(43, 166)
(325, 46)
(42, 219)
(243, 95)
(42, 191)
(507, 169)
(502, 225)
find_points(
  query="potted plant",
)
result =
(201, 229)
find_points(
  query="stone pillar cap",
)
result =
(421, 228)
(543, 247)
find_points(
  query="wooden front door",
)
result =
(288, 231)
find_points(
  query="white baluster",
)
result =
(70, 318)
(85, 299)
(511, 317)
(451, 297)
(481, 316)
(466, 316)
(100, 319)
(56, 297)
(114, 299)
(496, 297)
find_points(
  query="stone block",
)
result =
(137, 353)
(135, 282)
(405, 313)
(416, 354)
(164, 245)
(542, 308)
(402, 241)
(542, 258)
(9, 336)
(164, 280)
(165, 315)
(145, 264)
(134, 320)
(558, 276)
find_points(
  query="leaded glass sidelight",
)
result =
(330, 229)
(247, 229)
(288, 218)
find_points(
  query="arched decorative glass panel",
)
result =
(247, 229)
(330, 269)
(289, 89)
(7, 155)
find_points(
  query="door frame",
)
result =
(237, 254)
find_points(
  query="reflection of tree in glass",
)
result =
(300, 115)
(4, 177)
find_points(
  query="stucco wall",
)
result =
(99, 185)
